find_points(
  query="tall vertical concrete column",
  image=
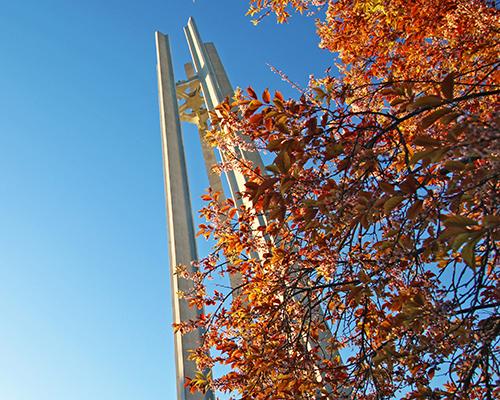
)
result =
(211, 92)
(226, 90)
(214, 178)
(216, 87)
(182, 245)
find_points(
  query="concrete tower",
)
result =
(205, 86)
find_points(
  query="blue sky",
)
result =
(84, 287)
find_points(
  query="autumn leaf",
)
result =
(447, 86)
(459, 220)
(426, 101)
(392, 203)
(468, 254)
(433, 117)
(251, 92)
(266, 96)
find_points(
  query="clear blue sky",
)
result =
(84, 287)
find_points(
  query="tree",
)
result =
(382, 214)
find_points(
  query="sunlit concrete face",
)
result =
(182, 246)
(216, 87)
(206, 76)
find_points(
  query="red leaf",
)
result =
(266, 96)
(251, 92)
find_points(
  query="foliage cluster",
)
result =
(375, 272)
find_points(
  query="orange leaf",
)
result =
(256, 119)
(279, 96)
(266, 96)
(251, 92)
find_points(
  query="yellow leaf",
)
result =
(283, 161)
(254, 104)
(320, 95)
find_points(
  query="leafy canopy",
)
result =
(375, 272)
